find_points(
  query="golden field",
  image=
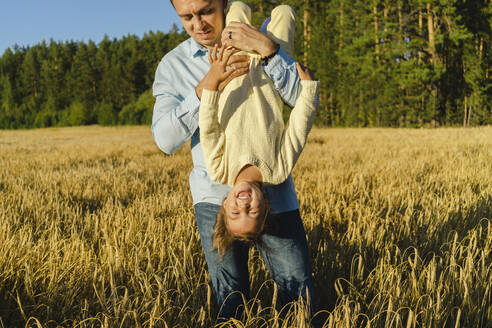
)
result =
(97, 230)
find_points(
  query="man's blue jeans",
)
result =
(284, 250)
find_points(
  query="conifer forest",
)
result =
(403, 63)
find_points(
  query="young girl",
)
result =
(244, 140)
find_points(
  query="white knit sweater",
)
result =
(243, 125)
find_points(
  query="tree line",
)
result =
(398, 63)
(76, 83)
(403, 63)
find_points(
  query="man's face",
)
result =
(203, 20)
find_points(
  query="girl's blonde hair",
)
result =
(223, 238)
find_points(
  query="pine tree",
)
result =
(81, 81)
(7, 105)
(29, 85)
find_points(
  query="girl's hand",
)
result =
(238, 63)
(304, 72)
(220, 73)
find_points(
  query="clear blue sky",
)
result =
(28, 22)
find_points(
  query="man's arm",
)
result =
(282, 70)
(175, 118)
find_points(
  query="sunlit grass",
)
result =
(97, 230)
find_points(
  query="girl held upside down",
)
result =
(244, 139)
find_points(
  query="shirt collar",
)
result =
(197, 49)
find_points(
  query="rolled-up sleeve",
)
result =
(175, 117)
(283, 72)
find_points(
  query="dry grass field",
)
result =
(97, 230)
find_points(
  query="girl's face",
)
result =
(244, 208)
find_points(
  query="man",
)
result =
(178, 88)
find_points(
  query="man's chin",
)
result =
(206, 42)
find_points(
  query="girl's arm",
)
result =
(300, 121)
(212, 137)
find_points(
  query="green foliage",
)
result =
(69, 83)
(7, 105)
(77, 114)
(399, 63)
(44, 118)
(105, 114)
(139, 112)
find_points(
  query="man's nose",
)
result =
(199, 23)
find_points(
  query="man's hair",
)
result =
(223, 238)
(225, 3)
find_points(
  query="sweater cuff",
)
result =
(309, 88)
(209, 97)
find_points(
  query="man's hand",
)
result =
(248, 38)
(224, 67)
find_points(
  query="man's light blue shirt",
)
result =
(175, 118)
